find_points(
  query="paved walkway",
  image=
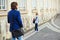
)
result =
(57, 20)
(45, 34)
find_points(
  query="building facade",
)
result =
(28, 8)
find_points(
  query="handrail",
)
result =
(41, 24)
(3, 15)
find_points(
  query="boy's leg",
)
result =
(37, 27)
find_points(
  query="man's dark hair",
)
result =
(13, 5)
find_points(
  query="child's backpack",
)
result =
(34, 20)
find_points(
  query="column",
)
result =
(29, 9)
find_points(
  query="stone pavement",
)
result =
(45, 34)
(57, 20)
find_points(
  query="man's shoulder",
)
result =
(17, 10)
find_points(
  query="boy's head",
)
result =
(36, 13)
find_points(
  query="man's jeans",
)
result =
(19, 38)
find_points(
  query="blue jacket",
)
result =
(14, 18)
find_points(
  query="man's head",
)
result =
(14, 5)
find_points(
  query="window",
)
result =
(2, 4)
(34, 4)
(23, 4)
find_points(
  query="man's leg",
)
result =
(20, 38)
(13, 38)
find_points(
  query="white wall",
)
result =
(45, 8)
(58, 7)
